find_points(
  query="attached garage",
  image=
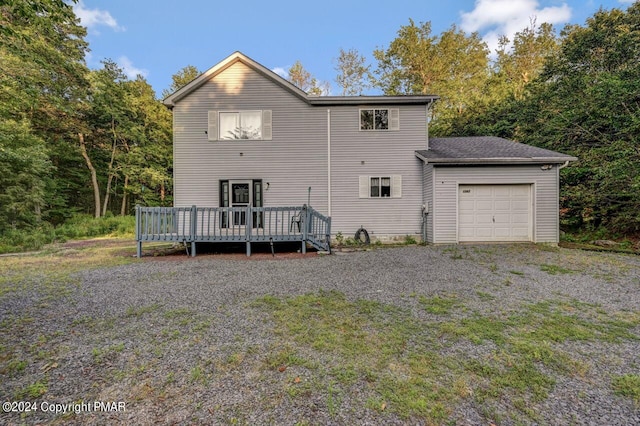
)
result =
(488, 189)
(494, 213)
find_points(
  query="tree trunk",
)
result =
(94, 177)
(123, 207)
(110, 170)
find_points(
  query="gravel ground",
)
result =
(180, 341)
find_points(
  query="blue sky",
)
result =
(157, 38)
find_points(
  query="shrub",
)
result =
(77, 227)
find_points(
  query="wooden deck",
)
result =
(191, 225)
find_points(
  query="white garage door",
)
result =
(494, 213)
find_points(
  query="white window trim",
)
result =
(213, 127)
(393, 117)
(365, 186)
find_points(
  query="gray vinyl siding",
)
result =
(294, 160)
(427, 198)
(356, 153)
(544, 197)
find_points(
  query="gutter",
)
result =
(497, 160)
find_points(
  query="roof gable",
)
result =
(171, 100)
(232, 59)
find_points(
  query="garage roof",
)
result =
(487, 150)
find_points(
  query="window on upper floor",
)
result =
(379, 119)
(239, 125)
(389, 186)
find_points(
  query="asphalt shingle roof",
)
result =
(487, 150)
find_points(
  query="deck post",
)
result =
(305, 215)
(194, 229)
(138, 236)
(328, 231)
(247, 230)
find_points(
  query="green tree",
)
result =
(42, 76)
(127, 146)
(519, 65)
(302, 78)
(453, 65)
(586, 103)
(353, 75)
(181, 79)
(147, 166)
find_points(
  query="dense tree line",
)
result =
(72, 139)
(94, 141)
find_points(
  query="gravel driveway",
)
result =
(183, 341)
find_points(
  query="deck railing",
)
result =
(232, 224)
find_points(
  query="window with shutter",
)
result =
(266, 124)
(394, 120)
(239, 125)
(212, 129)
(380, 186)
(379, 119)
(364, 187)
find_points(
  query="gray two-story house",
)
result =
(244, 136)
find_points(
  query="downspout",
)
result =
(329, 162)
(566, 163)
(426, 118)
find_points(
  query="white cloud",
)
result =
(495, 18)
(282, 72)
(129, 69)
(92, 18)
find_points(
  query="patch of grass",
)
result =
(196, 374)
(334, 400)
(519, 273)
(401, 360)
(285, 357)
(34, 390)
(455, 252)
(555, 269)
(138, 311)
(13, 366)
(102, 354)
(627, 385)
(439, 305)
(234, 360)
(178, 313)
(483, 295)
(410, 240)
(51, 272)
